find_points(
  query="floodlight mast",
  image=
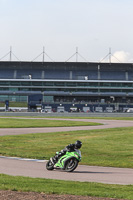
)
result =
(76, 54)
(110, 55)
(10, 53)
(43, 54)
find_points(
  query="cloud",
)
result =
(118, 57)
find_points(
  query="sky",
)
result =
(95, 29)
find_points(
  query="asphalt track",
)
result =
(32, 168)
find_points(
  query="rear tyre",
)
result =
(49, 165)
(71, 165)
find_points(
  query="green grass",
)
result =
(104, 147)
(27, 123)
(65, 187)
(69, 117)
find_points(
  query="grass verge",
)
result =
(28, 123)
(65, 187)
(103, 147)
(69, 117)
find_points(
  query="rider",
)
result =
(71, 147)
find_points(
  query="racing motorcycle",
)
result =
(67, 162)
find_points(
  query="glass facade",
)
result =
(66, 81)
(66, 84)
(77, 89)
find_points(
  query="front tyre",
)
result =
(71, 165)
(49, 165)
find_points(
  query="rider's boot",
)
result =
(53, 160)
(56, 157)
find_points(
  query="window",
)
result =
(59, 84)
(4, 82)
(15, 83)
(26, 83)
(72, 84)
(37, 83)
(48, 83)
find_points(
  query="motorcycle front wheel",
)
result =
(71, 165)
(49, 165)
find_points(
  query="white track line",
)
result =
(24, 159)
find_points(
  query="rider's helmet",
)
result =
(78, 144)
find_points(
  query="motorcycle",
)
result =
(67, 162)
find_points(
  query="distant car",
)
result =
(130, 110)
(73, 109)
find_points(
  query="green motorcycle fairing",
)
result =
(68, 155)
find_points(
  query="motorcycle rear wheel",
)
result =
(49, 165)
(71, 165)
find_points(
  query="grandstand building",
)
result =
(81, 85)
